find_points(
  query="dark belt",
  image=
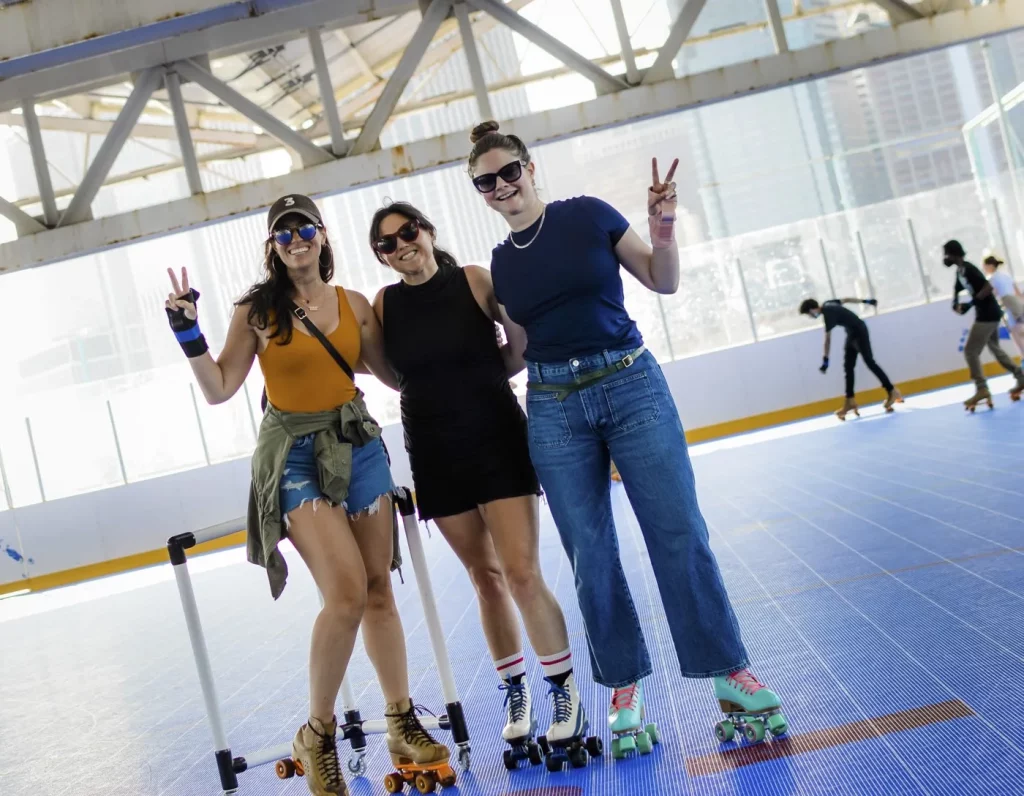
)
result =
(563, 391)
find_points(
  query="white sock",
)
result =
(512, 666)
(557, 665)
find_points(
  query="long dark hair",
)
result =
(444, 259)
(270, 296)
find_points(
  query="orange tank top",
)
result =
(301, 376)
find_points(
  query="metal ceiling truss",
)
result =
(345, 163)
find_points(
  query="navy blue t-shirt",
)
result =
(565, 288)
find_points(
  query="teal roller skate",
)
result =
(749, 707)
(626, 722)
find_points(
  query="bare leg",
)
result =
(323, 537)
(469, 538)
(383, 635)
(515, 526)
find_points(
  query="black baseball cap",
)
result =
(293, 203)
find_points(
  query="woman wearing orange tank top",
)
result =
(346, 544)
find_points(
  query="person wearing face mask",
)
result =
(858, 343)
(1009, 295)
(985, 329)
(320, 474)
(465, 433)
(595, 393)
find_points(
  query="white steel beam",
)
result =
(159, 132)
(42, 168)
(476, 70)
(778, 29)
(109, 58)
(857, 52)
(185, 145)
(308, 152)
(414, 51)
(24, 224)
(323, 80)
(603, 80)
(625, 43)
(80, 207)
(662, 67)
(899, 11)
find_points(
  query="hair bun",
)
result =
(482, 129)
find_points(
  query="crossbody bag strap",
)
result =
(302, 316)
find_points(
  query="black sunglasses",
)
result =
(510, 172)
(388, 244)
(285, 236)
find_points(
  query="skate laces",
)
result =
(625, 698)
(327, 759)
(563, 703)
(745, 681)
(515, 700)
(412, 731)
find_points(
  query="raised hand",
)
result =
(183, 315)
(661, 196)
(183, 298)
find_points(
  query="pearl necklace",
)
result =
(543, 213)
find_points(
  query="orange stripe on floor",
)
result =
(788, 746)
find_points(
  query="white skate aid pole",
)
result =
(176, 547)
(456, 717)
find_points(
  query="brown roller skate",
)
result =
(892, 399)
(315, 756)
(417, 757)
(1017, 390)
(615, 473)
(982, 395)
(849, 405)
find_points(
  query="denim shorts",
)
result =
(371, 477)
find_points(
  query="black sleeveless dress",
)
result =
(464, 428)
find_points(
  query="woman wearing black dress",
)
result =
(466, 437)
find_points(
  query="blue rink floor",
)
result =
(877, 568)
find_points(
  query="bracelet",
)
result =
(662, 230)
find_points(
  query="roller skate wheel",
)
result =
(533, 752)
(425, 783)
(652, 730)
(545, 747)
(777, 724)
(754, 731)
(622, 746)
(578, 757)
(393, 783)
(553, 763)
(595, 746)
(357, 765)
(448, 781)
(285, 769)
(464, 758)
(643, 743)
(509, 760)
(725, 731)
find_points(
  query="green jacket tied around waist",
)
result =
(337, 431)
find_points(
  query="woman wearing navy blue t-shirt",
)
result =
(595, 394)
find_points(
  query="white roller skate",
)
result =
(566, 740)
(626, 722)
(520, 727)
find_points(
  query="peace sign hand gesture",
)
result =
(183, 316)
(181, 303)
(661, 196)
